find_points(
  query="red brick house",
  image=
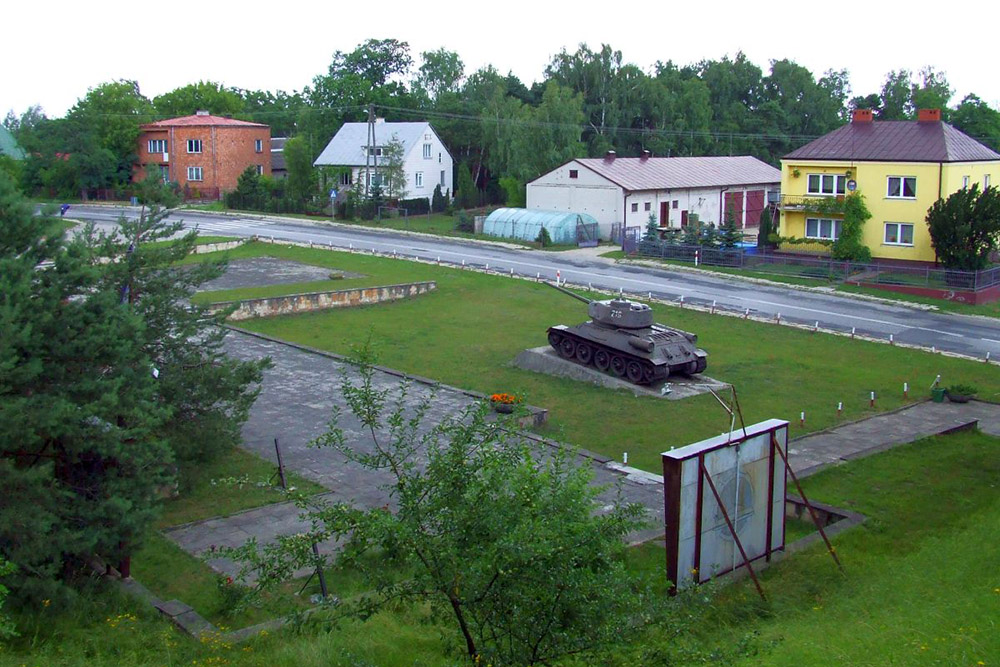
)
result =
(204, 154)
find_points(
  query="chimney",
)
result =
(645, 156)
(862, 116)
(610, 156)
(928, 115)
(201, 112)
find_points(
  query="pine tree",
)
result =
(730, 235)
(80, 421)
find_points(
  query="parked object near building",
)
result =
(901, 167)
(564, 228)
(426, 160)
(616, 190)
(204, 154)
(621, 338)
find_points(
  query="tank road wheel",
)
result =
(584, 353)
(602, 360)
(554, 339)
(618, 366)
(634, 371)
(647, 374)
(702, 365)
(567, 348)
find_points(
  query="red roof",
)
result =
(200, 120)
(895, 141)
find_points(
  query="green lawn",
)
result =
(921, 584)
(921, 588)
(200, 497)
(468, 331)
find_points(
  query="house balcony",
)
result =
(824, 205)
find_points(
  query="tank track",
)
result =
(607, 359)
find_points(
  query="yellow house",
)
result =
(901, 167)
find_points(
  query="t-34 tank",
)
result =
(622, 338)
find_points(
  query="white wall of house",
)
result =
(428, 168)
(587, 192)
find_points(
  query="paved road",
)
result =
(965, 335)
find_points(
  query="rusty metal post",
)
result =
(281, 466)
(809, 506)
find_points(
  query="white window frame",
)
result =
(194, 146)
(986, 181)
(258, 145)
(442, 178)
(834, 229)
(260, 169)
(160, 144)
(375, 152)
(965, 182)
(195, 174)
(898, 226)
(418, 179)
(838, 185)
(347, 178)
(427, 151)
(901, 182)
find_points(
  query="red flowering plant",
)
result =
(505, 399)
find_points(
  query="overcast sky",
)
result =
(54, 51)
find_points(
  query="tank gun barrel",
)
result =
(566, 291)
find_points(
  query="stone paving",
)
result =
(301, 389)
(297, 398)
(261, 271)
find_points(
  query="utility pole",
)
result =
(371, 159)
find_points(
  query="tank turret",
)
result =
(622, 338)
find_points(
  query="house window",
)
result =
(194, 146)
(157, 145)
(823, 228)
(898, 233)
(902, 187)
(165, 173)
(346, 178)
(675, 204)
(826, 184)
(427, 151)
(260, 170)
(965, 182)
(442, 177)
(375, 151)
(418, 179)
(646, 206)
(635, 207)
(574, 173)
(194, 174)
(258, 145)
(986, 181)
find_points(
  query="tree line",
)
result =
(501, 131)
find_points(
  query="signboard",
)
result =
(725, 502)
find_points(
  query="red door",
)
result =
(664, 214)
(755, 204)
(684, 218)
(733, 205)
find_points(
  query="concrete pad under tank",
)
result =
(545, 360)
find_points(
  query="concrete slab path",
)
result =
(301, 389)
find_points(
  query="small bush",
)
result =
(543, 238)
(465, 223)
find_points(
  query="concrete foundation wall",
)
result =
(313, 301)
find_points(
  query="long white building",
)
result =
(617, 190)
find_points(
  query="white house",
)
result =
(616, 189)
(426, 160)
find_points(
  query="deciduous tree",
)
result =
(965, 227)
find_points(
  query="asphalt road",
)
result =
(972, 336)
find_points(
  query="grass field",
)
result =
(921, 588)
(468, 331)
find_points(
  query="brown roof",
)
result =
(670, 173)
(199, 120)
(895, 141)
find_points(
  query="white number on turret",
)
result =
(616, 313)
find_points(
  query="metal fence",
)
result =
(769, 264)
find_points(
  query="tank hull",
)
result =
(641, 356)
